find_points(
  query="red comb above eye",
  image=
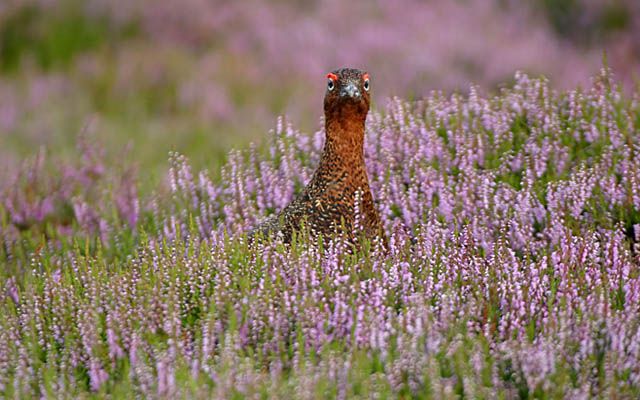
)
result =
(365, 76)
(332, 76)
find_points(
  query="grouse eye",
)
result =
(366, 84)
(333, 78)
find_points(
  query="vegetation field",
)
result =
(513, 270)
(128, 180)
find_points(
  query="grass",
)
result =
(177, 304)
(513, 270)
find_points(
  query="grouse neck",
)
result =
(344, 142)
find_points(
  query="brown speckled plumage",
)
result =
(327, 204)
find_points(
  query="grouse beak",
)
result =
(350, 90)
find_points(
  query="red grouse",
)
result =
(340, 185)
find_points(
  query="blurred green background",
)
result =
(141, 78)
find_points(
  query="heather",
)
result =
(513, 269)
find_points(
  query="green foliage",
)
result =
(54, 39)
(574, 18)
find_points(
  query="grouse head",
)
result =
(347, 94)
